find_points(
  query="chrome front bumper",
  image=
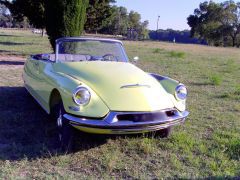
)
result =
(114, 122)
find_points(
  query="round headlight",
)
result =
(181, 92)
(81, 96)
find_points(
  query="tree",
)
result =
(231, 20)
(134, 19)
(36, 15)
(121, 20)
(122, 23)
(205, 22)
(65, 18)
(32, 9)
(4, 10)
(143, 30)
(216, 22)
(5, 18)
(97, 12)
(117, 23)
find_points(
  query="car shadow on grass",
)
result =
(12, 53)
(7, 43)
(14, 63)
(26, 130)
(8, 35)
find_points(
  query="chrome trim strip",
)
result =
(110, 122)
(56, 51)
(87, 38)
(129, 131)
(135, 85)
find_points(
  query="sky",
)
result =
(173, 13)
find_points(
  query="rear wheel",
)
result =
(65, 132)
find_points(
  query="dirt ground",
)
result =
(11, 58)
(11, 62)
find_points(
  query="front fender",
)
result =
(66, 85)
(170, 85)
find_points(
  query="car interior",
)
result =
(74, 57)
(62, 57)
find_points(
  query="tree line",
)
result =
(175, 36)
(211, 23)
(217, 23)
(102, 16)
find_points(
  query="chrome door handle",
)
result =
(36, 66)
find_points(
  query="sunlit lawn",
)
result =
(207, 145)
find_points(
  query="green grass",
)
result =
(171, 54)
(22, 43)
(233, 94)
(175, 54)
(158, 50)
(237, 91)
(215, 79)
(206, 146)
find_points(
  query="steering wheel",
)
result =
(109, 57)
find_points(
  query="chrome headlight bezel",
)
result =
(86, 96)
(181, 92)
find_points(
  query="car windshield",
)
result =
(75, 50)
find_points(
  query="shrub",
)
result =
(157, 50)
(215, 80)
(176, 54)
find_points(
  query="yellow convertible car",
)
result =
(90, 85)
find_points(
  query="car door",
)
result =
(44, 84)
(35, 79)
(31, 78)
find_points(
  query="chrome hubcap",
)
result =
(59, 124)
(59, 119)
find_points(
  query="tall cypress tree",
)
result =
(64, 18)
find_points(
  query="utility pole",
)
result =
(158, 22)
(157, 26)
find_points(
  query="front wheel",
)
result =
(164, 133)
(65, 131)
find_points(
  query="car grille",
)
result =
(147, 117)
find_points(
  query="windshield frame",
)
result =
(75, 39)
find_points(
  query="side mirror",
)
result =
(135, 60)
(45, 57)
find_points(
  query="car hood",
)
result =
(122, 86)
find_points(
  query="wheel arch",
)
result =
(55, 98)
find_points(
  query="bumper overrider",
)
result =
(129, 122)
